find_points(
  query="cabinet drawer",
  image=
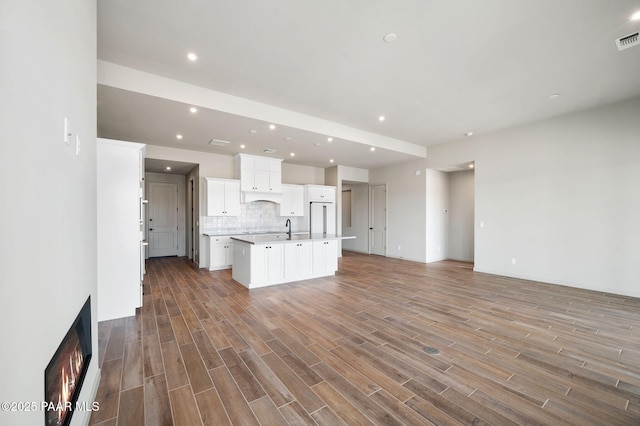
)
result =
(216, 240)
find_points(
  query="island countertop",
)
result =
(286, 238)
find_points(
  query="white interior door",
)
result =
(163, 219)
(378, 220)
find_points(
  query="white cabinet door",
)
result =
(217, 256)
(305, 260)
(223, 197)
(275, 182)
(325, 257)
(291, 262)
(261, 180)
(220, 253)
(229, 253)
(267, 263)
(247, 178)
(275, 263)
(259, 174)
(215, 197)
(298, 261)
(292, 203)
(321, 193)
(232, 198)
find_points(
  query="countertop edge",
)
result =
(263, 239)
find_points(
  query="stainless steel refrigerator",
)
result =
(322, 218)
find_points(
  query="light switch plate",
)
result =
(67, 130)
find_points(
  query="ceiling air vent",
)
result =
(627, 41)
(219, 142)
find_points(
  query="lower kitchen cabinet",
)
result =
(298, 263)
(325, 257)
(267, 264)
(259, 264)
(220, 253)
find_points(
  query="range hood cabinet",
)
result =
(260, 178)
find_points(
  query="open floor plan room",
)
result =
(384, 341)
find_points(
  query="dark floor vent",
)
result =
(431, 350)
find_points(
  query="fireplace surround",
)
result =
(65, 373)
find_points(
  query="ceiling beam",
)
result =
(120, 77)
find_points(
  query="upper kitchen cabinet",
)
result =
(260, 177)
(292, 203)
(321, 193)
(223, 197)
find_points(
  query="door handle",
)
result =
(150, 229)
(371, 229)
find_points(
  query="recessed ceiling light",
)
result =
(272, 126)
(168, 168)
(329, 139)
(293, 154)
(390, 38)
(193, 110)
(471, 166)
(554, 96)
(253, 132)
(381, 118)
(636, 16)
(242, 146)
(469, 134)
(373, 148)
(331, 161)
(192, 56)
(178, 136)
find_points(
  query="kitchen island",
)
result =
(263, 260)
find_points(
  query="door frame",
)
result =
(371, 188)
(191, 219)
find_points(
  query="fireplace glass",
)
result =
(65, 373)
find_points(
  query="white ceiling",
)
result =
(318, 69)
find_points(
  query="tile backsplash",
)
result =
(258, 216)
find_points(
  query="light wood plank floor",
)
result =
(350, 349)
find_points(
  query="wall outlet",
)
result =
(399, 248)
(481, 224)
(513, 261)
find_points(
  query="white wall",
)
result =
(560, 196)
(406, 208)
(461, 221)
(300, 175)
(437, 215)
(48, 227)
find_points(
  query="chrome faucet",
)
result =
(288, 223)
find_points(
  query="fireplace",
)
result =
(65, 373)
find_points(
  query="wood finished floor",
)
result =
(349, 350)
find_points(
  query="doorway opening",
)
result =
(355, 216)
(451, 213)
(172, 213)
